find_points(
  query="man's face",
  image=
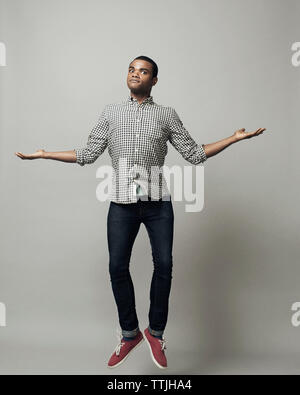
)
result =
(140, 71)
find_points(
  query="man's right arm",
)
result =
(64, 156)
(95, 146)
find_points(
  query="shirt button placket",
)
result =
(138, 121)
(137, 130)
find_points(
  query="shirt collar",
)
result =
(131, 99)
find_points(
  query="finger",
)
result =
(256, 132)
(261, 130)
(249, 134)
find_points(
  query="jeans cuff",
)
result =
(130, 333)
(155, 333)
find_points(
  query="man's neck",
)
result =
(140, 98)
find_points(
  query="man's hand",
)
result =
(241, 134)
(37, 155)
(214, 148)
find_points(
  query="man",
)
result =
(136, 132)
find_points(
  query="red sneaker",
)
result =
(157, 347)
(123, 349)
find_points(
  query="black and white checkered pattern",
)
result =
(136, 136)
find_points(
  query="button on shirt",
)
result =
(136, 135)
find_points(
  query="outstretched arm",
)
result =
(96, 144)
(214, 148)
(195, 153)
(64, 156)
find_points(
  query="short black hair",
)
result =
(154, 65)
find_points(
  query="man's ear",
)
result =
(154, 81)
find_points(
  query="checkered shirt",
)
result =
(136, 135)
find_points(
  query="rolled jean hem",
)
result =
(132, 333)
(155, 333)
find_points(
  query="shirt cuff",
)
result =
(79, 156)
(202, 153)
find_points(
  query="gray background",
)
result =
(223, 65)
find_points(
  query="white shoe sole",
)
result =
(124, 359)
(152, 356)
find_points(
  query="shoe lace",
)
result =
(163, 344)
(120, 344)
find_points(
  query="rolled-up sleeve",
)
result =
(182, 141)
(97, 142)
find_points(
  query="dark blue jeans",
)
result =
(123, 223)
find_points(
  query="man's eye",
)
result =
(144, 71)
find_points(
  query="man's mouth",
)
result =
(134, 81)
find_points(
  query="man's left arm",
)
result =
(195, 153)
(214, 148)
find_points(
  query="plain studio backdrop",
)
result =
(223, 65)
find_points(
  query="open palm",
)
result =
(241, 134)
(38, 154)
